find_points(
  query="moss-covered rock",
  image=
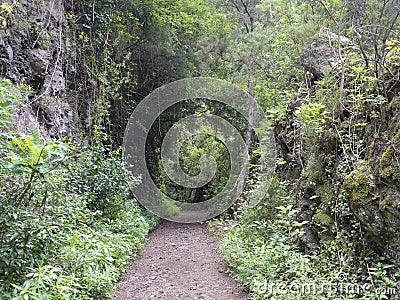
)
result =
(325, 193)
(377, 207)
(387, 172)
(323, 219)
(387, 156)
(395, 104)
(396, 176)
(358, 185)
(391, 215)
(364, 137)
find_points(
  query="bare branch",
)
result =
(239, 11)
(246, 9)
(322, 2)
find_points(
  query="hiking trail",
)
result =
(179, 261)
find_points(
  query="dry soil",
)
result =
(179, 261)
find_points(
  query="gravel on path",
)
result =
(179, 261)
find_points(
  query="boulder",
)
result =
(323, 53)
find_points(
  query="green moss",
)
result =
(357, 179)
(383, 204)
(323, 219)
(359, 186)
(390, 201)
(396, 175)
(314, 167)
(387, 172)
(395, 103)
(370, 150)
(360, 197)
(387, 156)
(325, 192)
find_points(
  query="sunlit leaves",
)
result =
(5, 10)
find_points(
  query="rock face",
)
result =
(34, 50)
(374, 189)
(323, 53)
(369, 186)
(318, 58)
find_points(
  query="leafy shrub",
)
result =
(100, 175)
(6, 96)
(68, 222)
(262, 252)
(91, 256)
(27, 238)
(48, 282)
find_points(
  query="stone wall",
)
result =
(35, 50)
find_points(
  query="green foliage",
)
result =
(5, 11)
(262, 251)
(68, 222)
(97, 256)
(206, 145)
(100, 175)
(322, 136)
(69, 235)
(201, 145)
(126, 49)
(189, 21)
(48, 282)
(360, 185)
(104, 35)
(27, 157)
(311, 114)
(6, 97)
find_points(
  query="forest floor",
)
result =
(179, 261)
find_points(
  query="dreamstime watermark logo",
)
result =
(340, 287)
(147, 112)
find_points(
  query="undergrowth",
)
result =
(68, 221)
(261, 248)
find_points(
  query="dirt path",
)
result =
(179, 261)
